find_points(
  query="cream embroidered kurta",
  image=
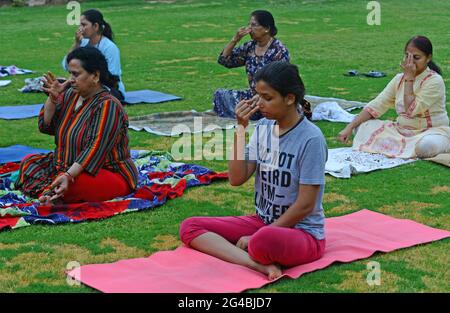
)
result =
(427, 115)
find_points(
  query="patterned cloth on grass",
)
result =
(160, 179)
(33, 85)
(12, 70)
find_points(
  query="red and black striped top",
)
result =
(95, 135)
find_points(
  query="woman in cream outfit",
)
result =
(418, 96)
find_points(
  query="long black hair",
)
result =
(265, 19)
(95, 16)
(285, 78)
(424, 44)
(92, 60)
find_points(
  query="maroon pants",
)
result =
(268, 244)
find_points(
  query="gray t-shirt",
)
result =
(297, 157)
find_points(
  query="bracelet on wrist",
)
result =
(72, 179)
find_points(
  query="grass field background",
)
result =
(172, 46)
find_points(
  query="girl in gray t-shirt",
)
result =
(287, 153)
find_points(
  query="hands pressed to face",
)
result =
(249, 29)
(409, 66)
(242, 32)
(86, 29)
(245, 109)
(79, 35)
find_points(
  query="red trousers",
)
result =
(106, 185)
(268, 244)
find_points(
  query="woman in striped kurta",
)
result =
(91, 161)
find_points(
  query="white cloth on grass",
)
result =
(4, 83)
(331, 111)
(345, 162)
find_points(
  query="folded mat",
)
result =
(350, 237)
(132, 97)
(148, 96)
(344, 162)
(160, 179)
(19, 112)
(17, 153)
(179, 122)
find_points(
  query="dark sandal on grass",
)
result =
(352, 73)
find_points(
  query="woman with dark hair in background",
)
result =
(288, 154)
(418, 95)
(96, 32)
(91, 161)
(263, 49)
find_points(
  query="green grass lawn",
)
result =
(172, 46)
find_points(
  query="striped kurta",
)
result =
(95, 135)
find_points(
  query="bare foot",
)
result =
(272, 271)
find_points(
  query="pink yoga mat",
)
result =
(184, 270)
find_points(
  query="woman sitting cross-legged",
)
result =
(288, 154)
(263, 49)
(91, 161)
(418, 96)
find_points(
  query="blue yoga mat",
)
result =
(17, 153)
(20, 111)
(132, 97)
(148, 96)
